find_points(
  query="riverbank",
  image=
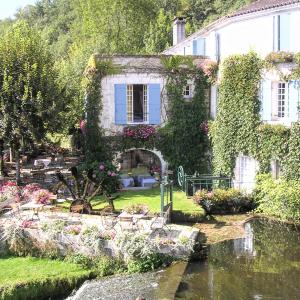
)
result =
(222, 227)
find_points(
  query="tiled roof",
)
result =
(256, 6)
(262, 5)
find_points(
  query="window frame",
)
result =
(188, 87)
(282, 100)
(130, 104)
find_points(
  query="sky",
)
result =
(9, 7)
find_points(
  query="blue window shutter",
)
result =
(154, 104)
(293, 100)
(201, 46)
(195, 51)
(284, 32)
(120, 104)
(266, 99)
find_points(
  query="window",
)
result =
(137, 103)
(281, 100)
(281, 32)
(275, 168)
(187, 91)
(218, 47)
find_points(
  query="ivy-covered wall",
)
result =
(183, 140)
(291, 162)
(238, 129)
(96, 147)
(235, 129)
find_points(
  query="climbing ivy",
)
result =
(235, 129)
(182, 140)
(291, 163)
(238, 129)
(274, 59)
(272, 145)
(95, 145)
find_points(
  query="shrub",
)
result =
(29, 190)
(279, 198)
(135, 246)
(136, 209)
(42, 196)
(80, 259)
(223, 201)
(104, 173)
(9, 191)
(148, 263)
(106, 266)
(280, 57)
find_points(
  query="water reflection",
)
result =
(263, 265)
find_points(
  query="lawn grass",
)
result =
(20, 270)
(38, 278)
(151, 198)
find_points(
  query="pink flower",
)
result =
(210, 194)
(82, 126)
(42, 196)
(113, 174)
(109, 173)
(101, 167)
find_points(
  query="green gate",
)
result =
(166, 197)
(191, 183)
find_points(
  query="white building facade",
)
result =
(264, 26)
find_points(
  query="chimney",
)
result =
(178, 30)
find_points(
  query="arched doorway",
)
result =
(141, 167)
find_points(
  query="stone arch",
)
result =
(164, 164)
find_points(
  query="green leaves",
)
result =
(235, 128)
(28, 88)
(181, 141)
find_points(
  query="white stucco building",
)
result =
(264, 26)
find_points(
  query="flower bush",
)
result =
(29, 190)
(72, 229)
(42, 196)
(280, 57)
(105, 173)
(142, 132)
(9, 191)
(136, 209)
(223, 201)
(210, 69)
(204, 126)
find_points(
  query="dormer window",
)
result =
(187, 91)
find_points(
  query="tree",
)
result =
(159, 36)
(29, 95)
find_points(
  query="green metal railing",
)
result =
(166, 196)
(191, 183)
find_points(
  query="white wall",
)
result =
(245, 171)
(241, 34)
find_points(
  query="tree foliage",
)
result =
(75, 29)
(29, 94)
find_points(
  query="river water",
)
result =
(263, 265)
